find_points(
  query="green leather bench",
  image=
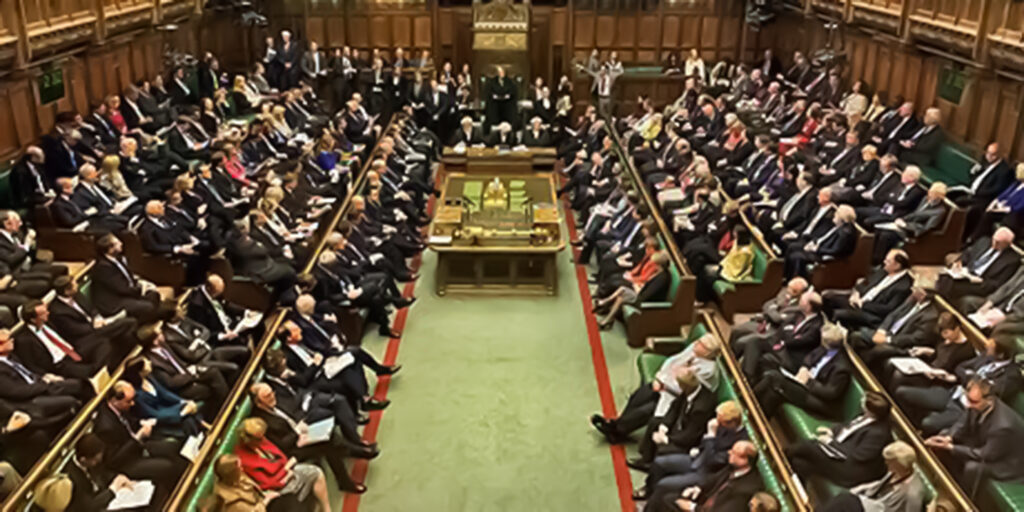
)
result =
(952, 166)
(205, 485)
(648, 364)
(662, 318)
(747, 295)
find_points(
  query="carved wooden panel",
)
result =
(335, 28)
(647, 32)
(422, 36)
(605, 31)
(315, 30)
(21, 103)
(9, 142)
(709, 34)
(124, 68)
(690, 32)
(558, 27)
(360, 32)
(584, 31)
(670, 31)
(626, 32)
(401, 32)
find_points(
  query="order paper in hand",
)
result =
(335, 364)
(138, 495)
(320, 431)
(910, 365)
(190, 448)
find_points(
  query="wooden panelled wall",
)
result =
(990, 107)
(89, 76)
(559, 34)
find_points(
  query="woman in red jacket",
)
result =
(272, 470)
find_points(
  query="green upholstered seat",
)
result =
(760, 264)
(952, 165)
(1005, 495)
(227, 445)
(648, 363)
(629, 310)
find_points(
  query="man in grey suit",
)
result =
(993, 310)
(984, 442)
(314, 67)
(774, 311)
(928, 215)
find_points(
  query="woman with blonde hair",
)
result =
(112, 180)
(279, 123)
(246, 100)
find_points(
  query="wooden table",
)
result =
(492, 160)
(507, 253)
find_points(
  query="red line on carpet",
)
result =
(604, 388)
(361, 466)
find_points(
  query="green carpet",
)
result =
(490, 411)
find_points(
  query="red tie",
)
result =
(62, 345)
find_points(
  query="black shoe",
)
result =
(365, 453)
(375, 405)
(390, 370)
(640, 494)
(605, 428)
(404, 302)
(363, 419)
(576, 243)
(639, 464)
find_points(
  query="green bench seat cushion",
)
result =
(760, 264)
(952, 166)
(648, 363)
(1006, 495)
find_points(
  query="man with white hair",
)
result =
(921, 147)
(288, 54)
(655, 398)
(819, 383)
(927, 216)
(535, 135)
(28, 183)
(467, 134)
(503, 136)
(896, 202)
(981, 268)
(901, 488)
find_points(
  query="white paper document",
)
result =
(320, 431)
(138, 495)
(335, 364)
(190, 449)
(910, 365)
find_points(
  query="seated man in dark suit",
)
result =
(192, 343)
(985, 441)
(43, 349)
(941, 406)
(130, 447)
(872, 297)
(926, 217)
(252, 259)
(19, 253)
(29, 184)
(502, 136)
(920, 148)
(115, 287)
(468, 134)
(981, 268)
(671, 473)
(1005, 302)
(849, 453)
(68, 214)
(901, 488)
(680, 428)
(206, 305)
(195, 382)
(909, 325)
(727, 490)
(787, 345)
(837, 243)
(989, 178)
(820, 382)
(34, 406)
(535, 135)
(287, 427)
(894, 202)
(76, 319)
(93, 486)
(158, 234)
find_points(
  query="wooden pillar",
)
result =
(24, 54)
(570, 39)
(100, 30)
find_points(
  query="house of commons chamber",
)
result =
(512, 255)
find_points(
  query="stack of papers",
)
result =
(136, 496)
(320, 431)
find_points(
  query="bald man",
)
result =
(207, 306)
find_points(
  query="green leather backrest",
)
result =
(760, 263)
(673, 282)
(954, 163)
